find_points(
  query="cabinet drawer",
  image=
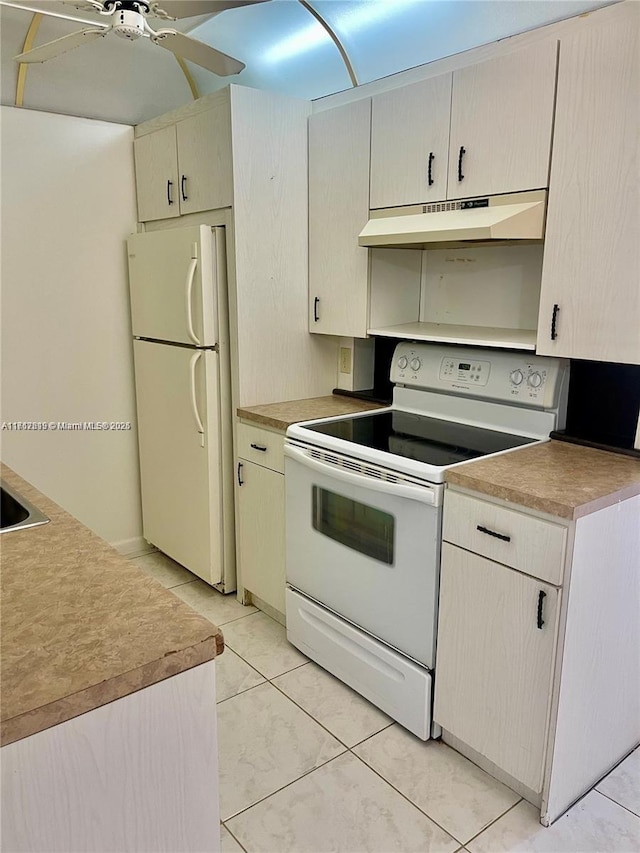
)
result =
(524, 542)
(261, 446)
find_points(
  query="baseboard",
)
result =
(135, 547)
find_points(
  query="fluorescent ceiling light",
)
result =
(371, 12)
(355, 18)
(309, 37)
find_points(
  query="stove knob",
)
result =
(402, 362)
(535, 380)
(516, 376)
(416, 364)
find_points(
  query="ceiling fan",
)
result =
(129, 20)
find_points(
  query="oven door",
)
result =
(365, 547)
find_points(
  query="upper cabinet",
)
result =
(156, 159)
(590, 294)
(483, 130)
(185, 167)
(501, 123)
(410, 143)
(338, 211)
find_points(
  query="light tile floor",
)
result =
(308, 766)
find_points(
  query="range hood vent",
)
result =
(506, 218)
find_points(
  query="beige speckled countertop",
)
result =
(563, 479)
(281, 415)
(81, 625)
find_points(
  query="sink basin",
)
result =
(16, 513)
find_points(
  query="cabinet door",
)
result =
(502, 116)
(204, 158)
(591, 268)
(339, 142)
(410, 143)
(156, 162)
(494, 665)
(260, 532)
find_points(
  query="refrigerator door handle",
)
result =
(191, 274)
(194, 403)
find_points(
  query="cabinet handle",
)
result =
(240, 480)
(430, 174)
(169, 185)
(541, 597)
(316, 303)
(493, 533)
(554, 318)
(183, 184)
(259, 447)
(461, 154)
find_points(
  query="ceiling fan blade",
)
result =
(198, 52)
(54, 48)
(85, 5)
(190, 8)
(43, 7)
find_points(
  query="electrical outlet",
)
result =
(345, 360)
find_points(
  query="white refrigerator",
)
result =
(181, 356)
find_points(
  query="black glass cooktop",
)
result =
(428, 440)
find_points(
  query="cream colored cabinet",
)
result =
(538, 638)
(590, 293)
(350, 288)
(495, 661)
(497, 631)
(338, 211)
(501, 123)
(483, 130)
(185, 167)
(156, 161)
(260, 542)
(410, 143)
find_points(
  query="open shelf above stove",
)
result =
(450, 333)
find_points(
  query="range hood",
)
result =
(504, 218)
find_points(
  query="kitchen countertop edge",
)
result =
(67, 708)
(510, 470)
(279, 416)
(161, 654)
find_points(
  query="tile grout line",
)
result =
(242, 847)
(607, 797)
(241, 692)
(495, 820)
(287, 785)
(316, 721)
(408, 800)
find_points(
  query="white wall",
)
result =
(68, 203)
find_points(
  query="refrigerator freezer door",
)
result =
(173, 285)
(177, 390)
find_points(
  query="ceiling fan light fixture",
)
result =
(129, 24)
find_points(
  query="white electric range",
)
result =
(364, 498)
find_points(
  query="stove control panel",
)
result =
(498, 375)
(474, 371)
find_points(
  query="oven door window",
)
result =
(363, 528)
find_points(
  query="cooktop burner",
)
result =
(429, 440)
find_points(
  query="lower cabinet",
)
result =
(537, 675)
(260, 542)
(495, 661)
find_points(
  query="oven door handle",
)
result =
(425, 494)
